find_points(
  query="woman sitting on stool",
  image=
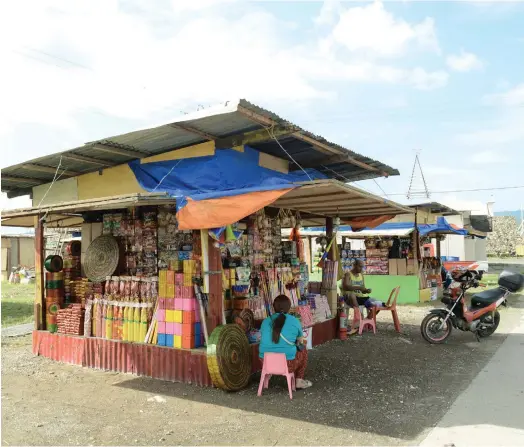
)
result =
(282, 333)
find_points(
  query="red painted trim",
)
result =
(157, 362)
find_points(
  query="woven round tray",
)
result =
(245, 318)
(229, 358)
(101, 258)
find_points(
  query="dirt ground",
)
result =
(382, 389)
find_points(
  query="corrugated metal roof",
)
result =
(230, 119)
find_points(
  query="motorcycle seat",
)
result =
(486, 297)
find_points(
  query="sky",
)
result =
(389, 80)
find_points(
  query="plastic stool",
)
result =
(276, 364)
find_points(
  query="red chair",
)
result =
(276, 364)
(391, 305)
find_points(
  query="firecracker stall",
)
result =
(395, 254)
(181, 252)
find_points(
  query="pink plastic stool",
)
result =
(367, 322)
(276, 364)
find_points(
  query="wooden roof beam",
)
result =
(344, 157)
(253, 137)
(83, 159)
(48, 169)
(20, 180)
(118, 151)
(194, 131)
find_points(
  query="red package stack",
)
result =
(71, 320)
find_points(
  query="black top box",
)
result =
(512, 281)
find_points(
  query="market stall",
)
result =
(395, 254)
(181, 251)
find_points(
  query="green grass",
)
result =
(17, 303)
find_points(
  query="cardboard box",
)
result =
(177, 341)
(402, 268)
(424, 295)
(393, 267)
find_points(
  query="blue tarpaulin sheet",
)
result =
(442, 226)
(226, 173)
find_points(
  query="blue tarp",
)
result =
(227, 173)
(442, 226)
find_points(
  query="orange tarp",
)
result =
(214, 213)
(359, 223)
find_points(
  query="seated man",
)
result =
(354, 288)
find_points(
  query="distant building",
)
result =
(18, 250)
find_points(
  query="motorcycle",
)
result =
(481, 317)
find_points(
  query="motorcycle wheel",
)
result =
(483, 333)
(431, 333)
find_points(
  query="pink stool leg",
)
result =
(261, 385)
(290, 385)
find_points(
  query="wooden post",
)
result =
(39, 303)
(216, 297)
(311, 253)
(329, 234)
(331, 294)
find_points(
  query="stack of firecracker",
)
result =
(54, 297)
(177, 318)
(124, 312)
(71, 320)
(71, 274)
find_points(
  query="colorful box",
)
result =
(170, 277)
(198, 329)
(179, 279)
(162, 276)
(177, 329)
(188, 341)
(170, 328)
(188, 317)
(170, 340)
(188, 329)
(161, 341)
(161, 315)
(187, 305)
(177, 316)
(177, 341)
(178, 303)
(170, 292)
(162, 290)
(197, 315)
(161, 303)
(170, 316)
(170, 303)
(161, 327)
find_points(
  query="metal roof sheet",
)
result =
(229, 119)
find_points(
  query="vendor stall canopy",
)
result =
(230, 125)
(400, 229)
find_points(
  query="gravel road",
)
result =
(370, 390)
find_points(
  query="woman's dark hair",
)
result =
(282, 304)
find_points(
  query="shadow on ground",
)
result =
(387, 384)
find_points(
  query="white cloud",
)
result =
(488, 157)
(507, 126)
(373, 29)
(94, 56)
(513, 97)
(464, 62)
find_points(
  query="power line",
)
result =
(380, 187)
(465, 190)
